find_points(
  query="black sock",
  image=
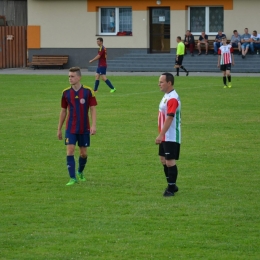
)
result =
(166, 172)
(173, 173)
(183, 68)
(229, 78)
(225, 80)
(177, 70)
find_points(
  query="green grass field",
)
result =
(120, 213)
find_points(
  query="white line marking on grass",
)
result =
(148, 92)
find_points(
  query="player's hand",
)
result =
(158, 139)
(218, 65)
(93, 130)
(90, 61)
(59, 134)
(233, 63)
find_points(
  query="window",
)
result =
(208, 19)
(115, 20)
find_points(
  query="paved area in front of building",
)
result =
(31, 71)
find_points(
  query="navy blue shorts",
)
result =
(101, 70)
(83, 140)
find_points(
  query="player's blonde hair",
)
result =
(75, 69)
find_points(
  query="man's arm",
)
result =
(93, 120)
(63, 114)
(249, 39)
(96, 58)
(165, 128)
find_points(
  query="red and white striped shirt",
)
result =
(225, 52)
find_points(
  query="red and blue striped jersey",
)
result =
(102, 62)
(78, 103)
(225, 52)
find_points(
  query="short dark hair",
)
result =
(75, 69)
(100, 39)
(169, 77)
(255, 31)
(234, 31)
(179, 37)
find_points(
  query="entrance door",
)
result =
(159, 29)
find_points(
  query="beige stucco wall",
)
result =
(244, 14)
(67, 24)
(178, 26)
(64, 24)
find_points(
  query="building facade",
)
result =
(72, 27)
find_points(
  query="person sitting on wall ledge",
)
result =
(236, 41)
(255, 42)
(218, 41)
(189, 42)
(203, 39)
(245, 40)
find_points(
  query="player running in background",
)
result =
(102, 66)
(225, 59)
(77, 100)
(169, 126)
(179, 56)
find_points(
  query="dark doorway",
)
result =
(159, 29)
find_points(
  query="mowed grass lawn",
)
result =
(120, 213)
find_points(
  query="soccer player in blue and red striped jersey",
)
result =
(102, 66)
(76, 102)
(225, 59)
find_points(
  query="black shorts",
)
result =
(225, 67)
(179, 61)
(169, 150)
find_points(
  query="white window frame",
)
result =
(116, 20)
(206, 20)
